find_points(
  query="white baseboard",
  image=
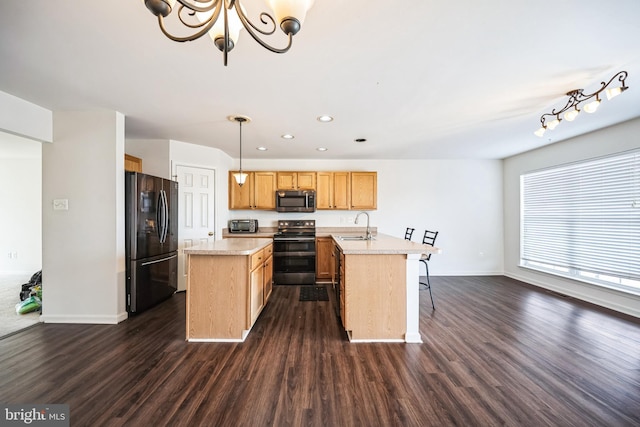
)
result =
(84, 319)
(625, 309)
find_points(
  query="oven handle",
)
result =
(294, 239)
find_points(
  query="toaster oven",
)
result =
(243, 226)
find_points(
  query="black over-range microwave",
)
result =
(295, 201)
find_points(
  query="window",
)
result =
(582, 221)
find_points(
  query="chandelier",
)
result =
(576, 97)
(200, 17)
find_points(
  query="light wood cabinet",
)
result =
(296, 180)
(268, 273)
(256, 293)
(132, 164)
(258, 191)
(324, 249)
(364, 190)
(226, 294)
(373, 296)
(333, 190)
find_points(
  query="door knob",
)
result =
(210, 233)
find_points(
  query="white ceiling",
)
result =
(417, 79)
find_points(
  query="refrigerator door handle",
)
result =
(162, 216)
(165, 223)
(159, 215)
(158, 260)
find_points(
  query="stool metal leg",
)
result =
(428, 284)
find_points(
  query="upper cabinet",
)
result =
(132, 164)
(364, 190)
(258, 191)
(333, 190)
(296, 180)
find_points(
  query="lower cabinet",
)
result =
(324, 248)
(226, 294)
(373, 296)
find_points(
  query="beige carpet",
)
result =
(10, 321)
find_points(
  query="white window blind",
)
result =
(583, 221)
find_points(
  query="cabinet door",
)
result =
(287, 180)
(132, 163)
(268, 278)
(256, 300)
(265, 190)
(306, 180)
(364, 189)
(240, 197)
(324, 193)
(341, 190)
(324, 246)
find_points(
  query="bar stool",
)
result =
(429, 238)
(408, 233)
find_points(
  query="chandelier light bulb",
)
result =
(540, 132)
(552, 125)
(612, 93)
(592, 106)
(571, 114)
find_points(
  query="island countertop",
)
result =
(244, 246)
(381, 244)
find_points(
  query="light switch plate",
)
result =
(60, 204)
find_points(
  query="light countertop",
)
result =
(381, 244)
(245, 246)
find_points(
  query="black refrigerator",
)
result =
(151, 223)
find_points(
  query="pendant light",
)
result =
(240, 176)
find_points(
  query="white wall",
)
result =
(155, 155)
(605, 141)
(83, 247)
(23, 118)
(20, 205)
(462, 199)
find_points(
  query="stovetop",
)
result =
(296, 228)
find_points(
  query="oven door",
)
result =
(294, 262)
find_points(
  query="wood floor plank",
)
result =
(495, 352)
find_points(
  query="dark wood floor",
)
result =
(495, 352)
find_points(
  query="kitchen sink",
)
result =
(354, 238)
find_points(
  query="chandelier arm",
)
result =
(253, 30)
(194, 6)
(204, 27)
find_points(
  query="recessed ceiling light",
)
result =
(321, 149)
(325, 119)
(360, 140)
(287, 136)
(262, 148)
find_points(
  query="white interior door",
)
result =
(196, 212)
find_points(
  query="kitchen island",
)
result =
(378, 287)
(229, 282)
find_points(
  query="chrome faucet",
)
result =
(368, 237)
